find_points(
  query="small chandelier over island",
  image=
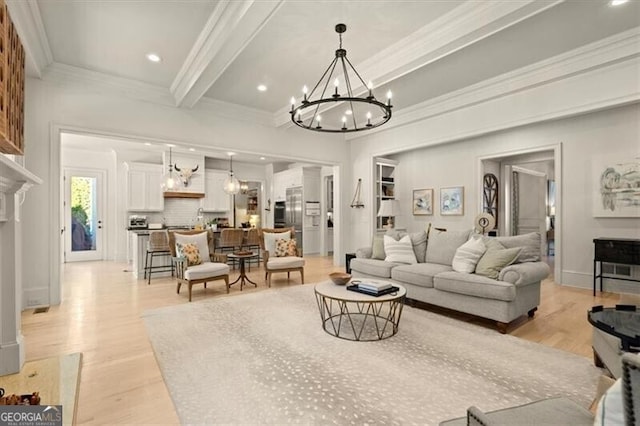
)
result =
(360, 113)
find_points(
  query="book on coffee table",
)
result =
(374, 285)
(375, 293)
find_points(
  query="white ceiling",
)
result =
(222, 50)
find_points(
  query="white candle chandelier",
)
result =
(360, 113)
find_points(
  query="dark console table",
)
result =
(625, 251)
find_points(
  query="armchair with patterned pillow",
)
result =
(195, 262)
(280, 252)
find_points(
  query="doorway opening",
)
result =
(529, 197)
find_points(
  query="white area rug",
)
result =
(264, 358)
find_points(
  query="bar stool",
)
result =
(230, 240)
(251, 242)
(158, 245)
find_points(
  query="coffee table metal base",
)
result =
(360, 321)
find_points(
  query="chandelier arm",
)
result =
(349, 92)
(331, 66)
(324, 90)
(356, 72)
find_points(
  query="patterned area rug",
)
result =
(264, 358)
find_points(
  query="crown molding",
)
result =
(236, 112)
(231, 26)
(133, 89)
(463, 26)
(613, 50)
(25, 15)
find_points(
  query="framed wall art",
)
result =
(452, 201)
(423, 202)
(616, 188)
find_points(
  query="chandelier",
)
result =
(360, 113)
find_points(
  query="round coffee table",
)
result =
(243, 278)
(355, 316)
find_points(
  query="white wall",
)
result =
(584, 139)
(50, 108)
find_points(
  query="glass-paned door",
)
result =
(83, 215)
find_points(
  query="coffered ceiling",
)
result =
(220, 51)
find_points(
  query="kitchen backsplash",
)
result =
(181, 211)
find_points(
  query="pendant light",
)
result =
(231, 184)
(170, 179)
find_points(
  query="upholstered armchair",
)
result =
(280, 262)
(197, 264)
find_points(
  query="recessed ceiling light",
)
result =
(147, 143)
(231, 154)
(262, 158)
(170, 145)
(192, 149)
(154, 57)
(262, 88)
(348, 112)
(617, 2)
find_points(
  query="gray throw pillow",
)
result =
(442, 245)
(493, 261)
(378, 248)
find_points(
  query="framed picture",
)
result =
(616, 187)
(452, 201)
(423, 202)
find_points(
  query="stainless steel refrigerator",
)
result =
(293, 213)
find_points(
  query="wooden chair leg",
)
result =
(190, 285)
(288, 275)
(302, 275)
(269, 274)
(178, 289)
(226, 281)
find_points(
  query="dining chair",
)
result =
(230, 240)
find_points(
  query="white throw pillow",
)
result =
(200, 240)
(610, 410)
(468, 255)
(399, 251)
(270, 240)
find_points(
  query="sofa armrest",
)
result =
(525, 273)
(364, 253)
(475, 417)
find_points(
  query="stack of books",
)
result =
(374, 288)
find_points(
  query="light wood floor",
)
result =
(121, 382)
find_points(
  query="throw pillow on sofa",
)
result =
(496, 259)
(468, 255)
(418, 241)
(399, 251)
(529, 243)
(377, 247)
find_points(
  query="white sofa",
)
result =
(432, 280)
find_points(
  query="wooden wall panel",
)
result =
(12, 76)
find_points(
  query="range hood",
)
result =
(191, 174)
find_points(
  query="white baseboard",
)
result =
(582, 280)
(34, 297)
(12, 356)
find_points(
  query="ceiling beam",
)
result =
(231, 26)
(469, 23)
(25, 15)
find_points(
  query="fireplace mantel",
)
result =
(15, 181)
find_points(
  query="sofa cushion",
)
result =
(468, 255)
(420, 274)
(474, 285)
(442, 245)
(530, 244)
(374, 267)
(285, 262)
(493, 261)
(399, 251)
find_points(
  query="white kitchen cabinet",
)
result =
(144, 187)
(279, 188)
(215, 199)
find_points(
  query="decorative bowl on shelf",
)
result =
(340, 278)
